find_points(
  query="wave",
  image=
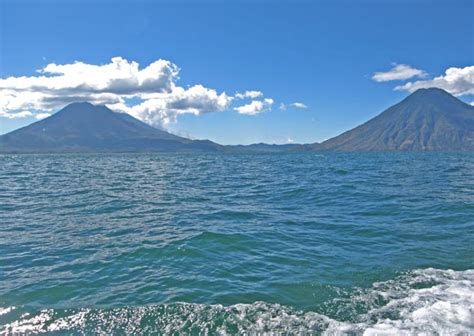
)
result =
(424, 301)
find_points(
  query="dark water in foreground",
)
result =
(299, 243)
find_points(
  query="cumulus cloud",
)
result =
(150, 94)
(163, 108)
(294, 105)
(255, 107)
(457, 81)
(249, 94)
(15, 115)
(117, 77)
(398, 72)
(40, 116)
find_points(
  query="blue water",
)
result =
(234, 243)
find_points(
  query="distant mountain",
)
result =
(262, 147)
(428, 119)
(85, 127)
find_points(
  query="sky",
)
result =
(234, 72)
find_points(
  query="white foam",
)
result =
(422, 302)
(6, 310)
(445, 308)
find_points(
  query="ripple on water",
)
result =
(237, 242)
(426, 300)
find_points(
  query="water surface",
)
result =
(228, 243)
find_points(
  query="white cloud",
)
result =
(255, 107)
(118, 77)
(299, 105)
(163, 108)
(15, 115)
(294, 105)
(398, 72)
(151, 93)
(58, 85)
(249, 94)
(457, 81)
(40, 116)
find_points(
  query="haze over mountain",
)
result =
(428, 119)
(85, 127)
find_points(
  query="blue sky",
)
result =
(321, 54)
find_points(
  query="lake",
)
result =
(237, 243)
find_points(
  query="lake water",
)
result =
(237, 243)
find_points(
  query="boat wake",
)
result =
(425, 301)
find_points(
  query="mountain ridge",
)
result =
(83, 127)
(426, 120)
